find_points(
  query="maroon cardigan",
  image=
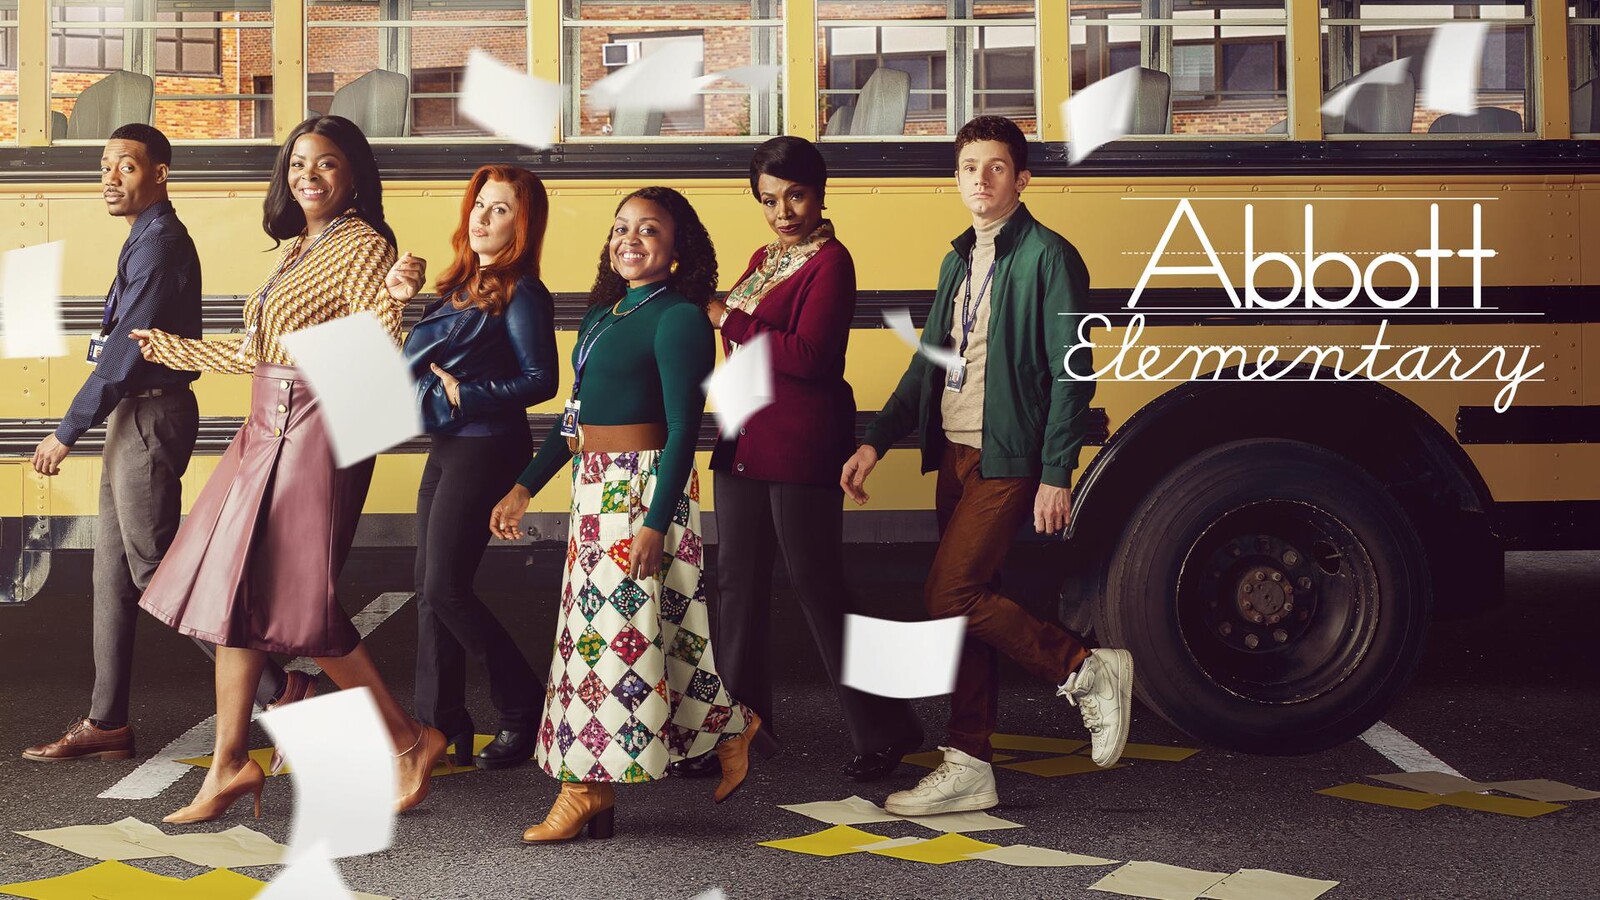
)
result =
(807, 433)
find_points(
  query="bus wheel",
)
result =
(1274, 596)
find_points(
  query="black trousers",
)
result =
(462, 481)
(756, 520)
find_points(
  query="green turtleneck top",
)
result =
(647, 366)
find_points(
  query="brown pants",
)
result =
(978, 518)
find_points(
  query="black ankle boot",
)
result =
(509, 748)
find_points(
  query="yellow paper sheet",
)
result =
(1033, 744)
(1158, 881)
(1366, 793)
(236, 848)
(263, 758)
(836, 841)
(946, 848)
(1158, 752)
(104, 881)
(1505, 806)
(221, 884)
(930, 759)
(1261, 884)
(116, 841)
(1053, 766)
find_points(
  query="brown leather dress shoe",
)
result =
(578, 804)
(85, 741)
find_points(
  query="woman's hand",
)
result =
(452, 385)
(644, 555)
(506, 520)
(147, 347)
(715, 310)
(405, 277)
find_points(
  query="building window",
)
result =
(1583, 65)
(188, 51)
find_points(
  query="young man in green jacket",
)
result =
(1002, 425)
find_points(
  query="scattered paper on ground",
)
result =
(510, 103)
(961, 822)
(1366, 793)
(1158, 752)
(715, 893)
(902, 659)
(899, 321)
(1543, 789)
(1100, 113)
(30, 301)
(741, 386)
(237, 848)
(312, 876)
(1388, 73)
(946, 848)
(851, 810)
(263, 758)
(1450, 69)
(1035, 744)
(345, 775)
(362, 382)
(930, 759)
(1431, 782)
(1505, 806)
(115, 841)
(108, 879)
(1261, 884)
(1059, 765)
(1039, 857)
(1158, 881)
(221, 884)
(894, 842)
(835, 841)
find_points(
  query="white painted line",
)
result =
(1409, 755)
(163, 770)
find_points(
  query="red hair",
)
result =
(490, 287)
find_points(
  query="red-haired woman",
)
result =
(482, 354)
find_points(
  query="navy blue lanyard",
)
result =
(592, 336)
(969, 317)
(112, 296)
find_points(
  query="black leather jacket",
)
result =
(506, 363)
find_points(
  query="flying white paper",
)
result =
(30, 301)
(311, 877)
(668, 80)
(762, 78)
(902, 659)
(1450, 73)
(1388, 73)
(1100, 113)
(344, 774)
(510, 103)
(741, 386)
(899, 321)
(368, 399)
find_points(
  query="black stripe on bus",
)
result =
(19, 437)
(1528, 425)
(642, 162)
(1548, 524)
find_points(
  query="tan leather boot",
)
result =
(579, 804)
(734, 753)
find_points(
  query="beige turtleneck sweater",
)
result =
(963, 411)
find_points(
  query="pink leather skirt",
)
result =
(256, 562)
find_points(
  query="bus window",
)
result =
(405, 61)
(1210, 68)
(1360, 35)
(197, 63)
(601, 36)
(888, 69)
(8, 72)
(1583, 64)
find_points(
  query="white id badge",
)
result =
(569, 419)
(96, 345)
(956, 377)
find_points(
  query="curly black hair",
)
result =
(695, 275)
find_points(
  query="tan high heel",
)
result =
(734, 754)
(431, 744)
(578, 804)
(247, 780)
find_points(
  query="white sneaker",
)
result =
(1102, 689)
(962, 783)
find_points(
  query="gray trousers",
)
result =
(148, 444)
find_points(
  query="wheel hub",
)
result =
(1267, 592)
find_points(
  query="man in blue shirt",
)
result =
(151, 420)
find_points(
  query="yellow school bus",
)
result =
(1344, 343)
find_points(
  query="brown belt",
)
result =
(618, 438)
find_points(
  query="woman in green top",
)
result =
(632, 682)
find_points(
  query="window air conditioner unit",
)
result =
(620, 53)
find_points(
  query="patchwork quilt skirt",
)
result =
(633, 684)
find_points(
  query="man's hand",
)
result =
(856, 469)
(1052, 509)
(48, 455)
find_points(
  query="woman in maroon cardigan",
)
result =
(777, 483)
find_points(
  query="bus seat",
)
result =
(115, 100)
(379, 102)
(1585, 109)
(635, 121)
(839, 121)
(1152, 109)
(881, 109)
(1483, 120)
(1376, 108)
(58, 125)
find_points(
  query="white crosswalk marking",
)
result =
(163, 770)
(1409, 755)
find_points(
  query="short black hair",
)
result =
(792, 159)
(156, 145)
(995, 128)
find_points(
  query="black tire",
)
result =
(1291, 547)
